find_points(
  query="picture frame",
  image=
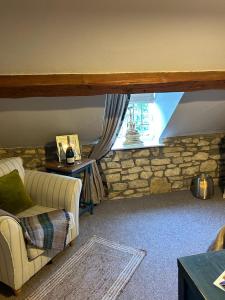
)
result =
(62, 145)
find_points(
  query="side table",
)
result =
(84, 165)
(197, 273)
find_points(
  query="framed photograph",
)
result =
(63, 142)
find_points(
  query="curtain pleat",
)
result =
(115, 109)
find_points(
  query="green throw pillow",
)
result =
(13, 197)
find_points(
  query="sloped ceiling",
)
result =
(83, 36)
(198, 112)
(36, 121)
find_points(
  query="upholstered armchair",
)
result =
(48, 192)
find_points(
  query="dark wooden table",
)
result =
(197, 273)
(80, 166)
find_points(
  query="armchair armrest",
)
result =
(13, 254)
(53, 190)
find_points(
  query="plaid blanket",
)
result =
(47, 230)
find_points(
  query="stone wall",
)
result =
(33, 157)
(134, 173)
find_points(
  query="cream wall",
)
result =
(36, 121)
(198, 112)
(74, 36)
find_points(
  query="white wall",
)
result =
(83, 36)
(198, 112)
(36, 121)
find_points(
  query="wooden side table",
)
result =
(84, 165)
(197, 273)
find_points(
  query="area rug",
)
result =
(99, 270)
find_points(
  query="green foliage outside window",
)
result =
(141, 116)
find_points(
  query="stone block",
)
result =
(142, 162)
(113, 165)
(160, 185)
(135, 170)
(173, 149)
(155, 152)
(158, 168)
(158, 173)
(143, 190)
(30, 151)
(41, 151)
(203, 143)
(147, 168)
(177, 185)
(116, 157)
(119, 186)
(33, 163)
(113, 177)
(177, 160)
(205, 148)
(208, 166)
(172, 179)
(216, 141)
(128, 192)
(103, 165)
(160, 161)
(195, 141)
(191, 149)
(111, 171)
(184, 165)
(174, 154)
(172, 172)
(201, 156)
(130, 177)
(187, 158)
(187, 153)
(2, 151)
(215, 156)
(125, 154)
(146, 174)
(112, 195)
(139, 183)
(187, 140)
(127, 163)
(141, 153)
(190, 170)
(170, 166)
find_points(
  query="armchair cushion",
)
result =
(13, 197)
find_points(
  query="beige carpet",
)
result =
(98, 271)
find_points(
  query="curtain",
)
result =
(115, 109)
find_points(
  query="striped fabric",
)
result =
(47, 230)
(7, 165)
(51, 191)
(34, 252)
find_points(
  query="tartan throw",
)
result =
(47, 230)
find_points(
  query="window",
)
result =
(145, 120)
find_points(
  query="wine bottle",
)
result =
(62, 154)
(69, 153)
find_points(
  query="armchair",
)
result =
(48, 192)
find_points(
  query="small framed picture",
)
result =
(65, 141)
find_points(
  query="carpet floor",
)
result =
(167, 226)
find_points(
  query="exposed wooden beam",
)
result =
(18, 86)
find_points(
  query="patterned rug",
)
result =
(99, 270)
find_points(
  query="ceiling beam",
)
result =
(50, 85)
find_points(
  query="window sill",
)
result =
(137, 146)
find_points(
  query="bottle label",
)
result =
(70, 160)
